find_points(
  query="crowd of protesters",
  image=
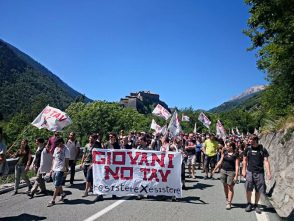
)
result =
(233, 157)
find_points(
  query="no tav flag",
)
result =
(52, 119)
(185, 118)
(174, 126)
(203, 119)
(161, 112)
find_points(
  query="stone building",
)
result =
(143, 101)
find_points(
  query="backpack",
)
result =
(261, 152)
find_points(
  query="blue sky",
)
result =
(191, 52)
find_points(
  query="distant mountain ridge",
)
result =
(25, 82)
(250, 91)
(249, 99)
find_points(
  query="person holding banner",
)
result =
(190, 147)
(86, 163)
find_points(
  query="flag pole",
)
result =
(23, 131)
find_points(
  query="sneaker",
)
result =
(99, 198)
(193, 176)
(85, 194)
(63, 195)
(248, 207)
(139, 197)
(31, 195)
(228, 206)
(51, 203)
(14, 193)
(174, 199)
(257, 208)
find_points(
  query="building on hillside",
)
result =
(143, 101)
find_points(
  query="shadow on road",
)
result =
(78, 201)
(243, 206)
(24, 217)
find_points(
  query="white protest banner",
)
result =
(161, 112)
(185, 118)
(52, 119)
(136, 172)
(174, 126)
(203, 119)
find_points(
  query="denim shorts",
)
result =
(58, 178)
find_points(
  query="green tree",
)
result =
(271, 29)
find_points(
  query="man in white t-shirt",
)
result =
(59, 167)
(74, 150)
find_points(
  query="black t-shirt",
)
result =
(255, 156)
(115, 145)
(229, 162)
(190, 143)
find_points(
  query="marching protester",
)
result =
(74, 151)
(45, 166)
(142, 145)
(210, 150)
(52, 141)
(86, 163)
(155, 142)
(190, 147)
(113, 142)
(229, 163)
(178, 145)
(198, 152)
(125, 143)
(22, 166)
(59, 167)
(254, 159)
(3, 163)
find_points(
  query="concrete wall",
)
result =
(281, 188)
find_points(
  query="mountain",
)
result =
(249, 92)
(25, 84)
(248, 100)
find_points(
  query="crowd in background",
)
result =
(210, 154)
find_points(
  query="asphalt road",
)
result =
(204, 200)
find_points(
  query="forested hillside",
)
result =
(27, 86)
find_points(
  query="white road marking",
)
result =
(106, 210)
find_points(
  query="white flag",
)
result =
(174, 126)
(232, 131)
(185, 118)
(237, 130)
(220, 130)
(163, 130)
(155, 126)
(203, 119)
(52, 119)
(195, 128)
(256, 132)
(161, 112)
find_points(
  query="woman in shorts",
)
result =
(229, 163)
